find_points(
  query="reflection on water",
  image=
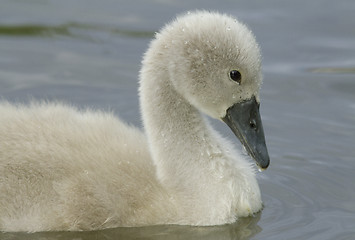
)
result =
(244, 229)
(333, 70)
(68, 29)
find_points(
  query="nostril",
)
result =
(252, 124)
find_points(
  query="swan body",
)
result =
(67, 169)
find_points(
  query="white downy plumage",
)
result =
(67, 169)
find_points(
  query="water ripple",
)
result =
(299, 202)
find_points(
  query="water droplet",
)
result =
(188, 13)
(234, 96)
(186, 42)
(183, 29)
(228, 28)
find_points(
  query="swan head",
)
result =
(214, 62)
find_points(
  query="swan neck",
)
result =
(177, 132)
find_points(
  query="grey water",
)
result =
(88, 53)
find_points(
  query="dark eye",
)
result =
(235, 76)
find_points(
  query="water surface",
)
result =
(88, 53)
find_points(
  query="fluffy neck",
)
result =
(180, 140)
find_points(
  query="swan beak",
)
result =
(244, 120)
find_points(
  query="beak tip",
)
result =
(264, 164)
(263, 159)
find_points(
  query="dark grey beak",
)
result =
(244, 120)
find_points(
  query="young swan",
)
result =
(65, 169)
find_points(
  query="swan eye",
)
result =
(236, 76)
